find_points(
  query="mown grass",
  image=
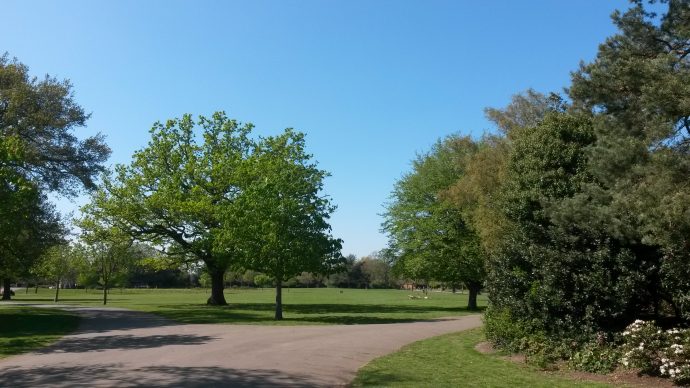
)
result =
(25, 328)
(451, 361)
(311, 306)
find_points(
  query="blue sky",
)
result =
(370, 82)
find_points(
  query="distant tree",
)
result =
(263, 280)
(377, 272)
(280, 223)
(174, 191)
(341, 277)
(59, 263)
(108, 251)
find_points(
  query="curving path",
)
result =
(117, 347)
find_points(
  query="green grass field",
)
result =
(25, 328)
(451, 361)
(255, 306)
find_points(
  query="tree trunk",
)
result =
(217, 297)
(105, 293)
(279, 300)
(474, 289)
(7, 290)
(57, 291)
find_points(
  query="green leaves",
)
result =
(279, 222)
(433, 237)
(37, 118)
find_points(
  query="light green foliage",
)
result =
(176, 189)
(431, 235)
(59, 263)
(263, 280)
(107, 250)
(280, 220)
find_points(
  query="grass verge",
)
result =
(451, 361)
(25, 329)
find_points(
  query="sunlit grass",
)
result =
(451, 361)
(255, 306)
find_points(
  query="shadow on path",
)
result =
(99, 320)
(158, 376)
(122, 342)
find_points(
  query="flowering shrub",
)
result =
(676, 360)
(644, 347)
(657, 352)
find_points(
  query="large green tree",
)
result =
(280, 221)
(38, 152)
(176, 189)
(430, 234)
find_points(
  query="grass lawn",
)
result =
(255, 306)
(25, 328)
(451, 361)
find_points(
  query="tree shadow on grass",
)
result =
(158, 376)
(343, 314)
(122, 342)
(62, 300)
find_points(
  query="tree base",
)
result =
(211, 301)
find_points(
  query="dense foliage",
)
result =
(579, 208)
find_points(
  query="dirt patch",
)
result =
(484, 347)
(626, 378)
(487, 348)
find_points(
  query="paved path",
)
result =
(117, 347)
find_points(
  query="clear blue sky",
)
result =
(371, 82)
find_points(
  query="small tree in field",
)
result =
(107, 250)
(59, 263)
(281, 219)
